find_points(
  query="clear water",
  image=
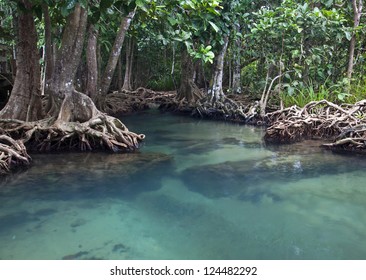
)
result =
(196, 190)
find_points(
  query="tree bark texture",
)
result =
(49, 58)
(237, 64)
(119, 74)
(65, 102)
(74, 122)
(357, 12)
(216, 90)
(115, 53)
(188, 90)
(127, 84)
(92, 63)
(25, 100)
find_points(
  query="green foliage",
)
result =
(299, 94)
(307, 39)
(305, 94)
(203, 53)
(6, 15)
(163, 84)
(357, 91)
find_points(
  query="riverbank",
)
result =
(341, 127)
(198, 189)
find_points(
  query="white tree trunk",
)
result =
(357, 12)
(216, 91)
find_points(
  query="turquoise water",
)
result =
(196, 190)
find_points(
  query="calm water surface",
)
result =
(196, 190)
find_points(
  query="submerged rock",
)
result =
(254, 180)
(93, 175)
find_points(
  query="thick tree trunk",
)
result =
(115, 53)
(127, 85)
(75, 122)
(216, 90)
(357, 12)
(25, 101)
(188, 90)
(64, 100)
(200, 79)
(92, 63)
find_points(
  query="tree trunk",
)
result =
(66, 104)
(49, 58)
(119, 74)
(25, 101)
(92, 63)
(237, 64)
(127, 85)
(200, 79)
(216, 90)
(188, 90)
(357, 12)
(115, 53)
(75, 122)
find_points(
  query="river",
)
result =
(196, 190)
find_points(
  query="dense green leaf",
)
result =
(214, 26)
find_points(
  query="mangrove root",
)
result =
(345, 124)
(101, 132)
(227, 109)
(126, 102)
(12, 154)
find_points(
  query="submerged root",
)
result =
(12, 154)
(346, 124)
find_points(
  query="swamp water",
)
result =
(196, 190)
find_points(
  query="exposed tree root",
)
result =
(351, 139)
(126, 102)
(346, 124)
(99, 133)
(227, 109)
(12, 154)
(76, 125)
